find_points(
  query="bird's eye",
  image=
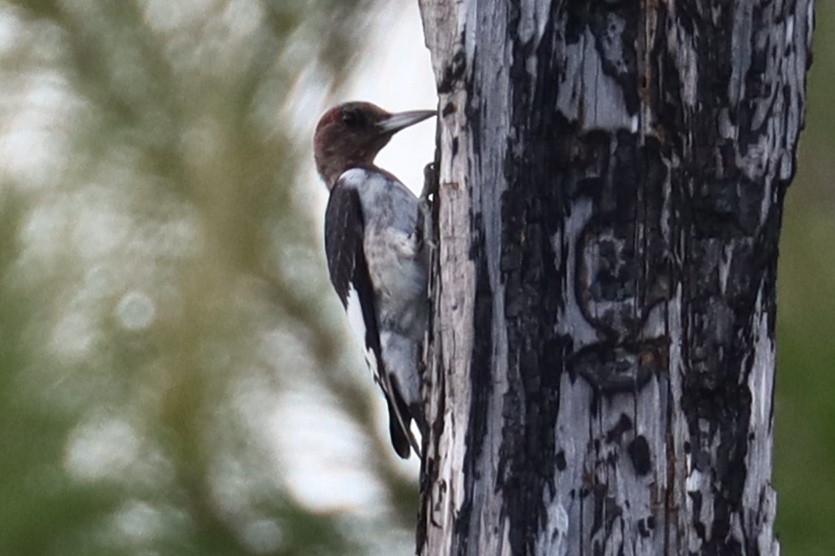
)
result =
(351, 118)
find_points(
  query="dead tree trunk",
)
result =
(601, 366)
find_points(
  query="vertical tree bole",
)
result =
(600, 371)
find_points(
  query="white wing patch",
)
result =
(358, 329)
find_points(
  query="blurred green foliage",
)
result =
(163, 298)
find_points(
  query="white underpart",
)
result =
(397, 273)
(400, 354)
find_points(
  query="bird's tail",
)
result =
(399, 427)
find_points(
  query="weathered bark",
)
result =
(601, 365)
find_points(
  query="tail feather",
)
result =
(399, 440)
(399, 430)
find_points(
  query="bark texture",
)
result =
(601, 365)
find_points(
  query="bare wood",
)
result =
(602, 365)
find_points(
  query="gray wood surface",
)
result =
(601, 366)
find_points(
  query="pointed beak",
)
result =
(396, 122)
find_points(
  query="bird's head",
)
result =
(352, 134)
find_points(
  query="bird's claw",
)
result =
(430, 188)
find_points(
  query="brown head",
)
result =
(352, 134)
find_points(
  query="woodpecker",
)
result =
(375, 254)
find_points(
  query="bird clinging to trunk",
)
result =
(375, 254)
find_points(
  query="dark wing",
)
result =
(344, 231)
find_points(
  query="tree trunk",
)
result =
(601, 364)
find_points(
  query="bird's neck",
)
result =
(367, 165)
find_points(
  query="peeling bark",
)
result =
(601, 364)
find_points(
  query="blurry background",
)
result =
(176, 377)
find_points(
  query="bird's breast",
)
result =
(396, 265)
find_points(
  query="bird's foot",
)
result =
(430, 189)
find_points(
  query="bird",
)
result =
(376, 255)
